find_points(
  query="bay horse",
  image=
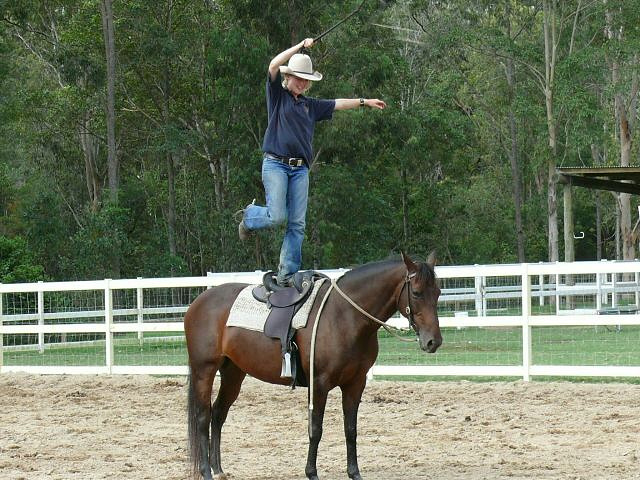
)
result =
(346, 347)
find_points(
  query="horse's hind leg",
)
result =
(200, 386)
(231, 381)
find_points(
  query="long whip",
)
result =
(319, 37)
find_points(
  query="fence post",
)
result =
(557, 275)
(541, 281)
(108, 322)
(139, 302)
(1, 338)
(479, 293)
(484, 295)
(40, 317)
(526, 328)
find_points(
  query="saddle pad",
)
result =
(247, 312)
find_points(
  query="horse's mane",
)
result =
(370, 267)
(424, 274)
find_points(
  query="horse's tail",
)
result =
(192, 419)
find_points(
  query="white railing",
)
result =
(487, 296)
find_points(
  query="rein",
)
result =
(390, 329)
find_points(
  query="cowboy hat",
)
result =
(300, 66)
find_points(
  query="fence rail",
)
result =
(524, 320)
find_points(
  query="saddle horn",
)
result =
(270, 283)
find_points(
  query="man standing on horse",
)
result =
(288, 152)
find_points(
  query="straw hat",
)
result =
(300, 66)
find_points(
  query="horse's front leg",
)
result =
(351, 396)
(315, 431)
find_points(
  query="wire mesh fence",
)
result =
(495, 320)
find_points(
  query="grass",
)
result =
(503, 346)
(155, 350)
(467, 346)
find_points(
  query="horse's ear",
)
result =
(411, 266)
(432, 260)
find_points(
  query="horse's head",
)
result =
(418, 301)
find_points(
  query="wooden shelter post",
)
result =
(569, 247)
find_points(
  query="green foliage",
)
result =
(430, 171)
(17, 263)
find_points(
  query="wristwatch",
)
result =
(362, 102)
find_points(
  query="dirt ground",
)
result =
(131, 427)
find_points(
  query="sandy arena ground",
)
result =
(130, 427)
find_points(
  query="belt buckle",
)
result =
(295, 162)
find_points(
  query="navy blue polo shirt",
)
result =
(292, 122)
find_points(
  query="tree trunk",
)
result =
(110, 51)
(624, 137)
(112, 157)
(569, 252)
(550, 63)
(595, 156)
(166, 119)
(516, 182)
(624, 121)
(171, 205)
(90, 148)
(405, 206)
(598, 227)
(618, 249)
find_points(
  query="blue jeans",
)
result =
(287, 192)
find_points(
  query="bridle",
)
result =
(391, 330)
(408, 310)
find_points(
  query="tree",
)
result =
(623, 63)
(17, 263)
(108, 31)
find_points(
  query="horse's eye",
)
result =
(416, 293)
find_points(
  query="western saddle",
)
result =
(283, 304)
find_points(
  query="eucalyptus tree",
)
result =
(623, 61)
(63, 39)
(108, 30)
(60, 85)
(479, 45)
(529, 74)
(433, 127)
(495, 91)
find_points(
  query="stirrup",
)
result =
(286, 366)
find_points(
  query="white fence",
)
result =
(575, 319)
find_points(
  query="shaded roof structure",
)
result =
(613, 179)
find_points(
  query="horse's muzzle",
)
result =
(429, 343)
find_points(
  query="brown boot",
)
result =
(243, 231)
